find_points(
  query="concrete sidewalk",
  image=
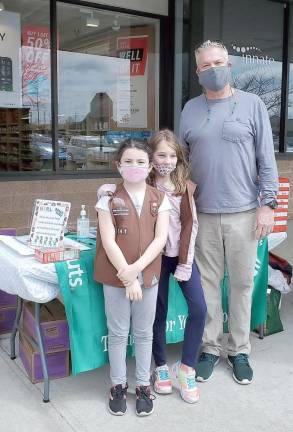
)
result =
(79, 403)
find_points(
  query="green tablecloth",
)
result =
(84, 305)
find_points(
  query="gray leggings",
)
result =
(121, 313)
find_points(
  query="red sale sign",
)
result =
(35, 64)
(135, 49)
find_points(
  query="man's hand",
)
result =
(133, 291)
(128, 274)
(264, 221)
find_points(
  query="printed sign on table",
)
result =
(48, 223)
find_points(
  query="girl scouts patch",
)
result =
(154, 208)
(119, 207)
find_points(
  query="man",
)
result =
(228, 137)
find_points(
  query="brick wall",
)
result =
(17, 197)
(285, 169)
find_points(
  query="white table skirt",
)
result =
(38, 282)
(27, 277)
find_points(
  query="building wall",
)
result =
(17, 197)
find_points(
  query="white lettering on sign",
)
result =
(170, 325)
(182, 321)
(75, 271)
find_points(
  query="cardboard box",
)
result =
(8, 231)
(7, 317)
(46, 256)
(53, 325)
(57, 362)
(7, 300)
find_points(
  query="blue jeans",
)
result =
(194, 327)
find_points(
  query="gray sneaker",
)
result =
(205, 366)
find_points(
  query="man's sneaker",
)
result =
(205, 366)
(242, 372)
(186, 378)
(117, 400)
(161, 380)
(144, 401)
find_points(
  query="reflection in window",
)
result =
(25, 101)
(108, 79)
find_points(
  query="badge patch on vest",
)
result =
(119, 207)
(121, 230)
(154, 208)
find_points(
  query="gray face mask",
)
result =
(215, 78)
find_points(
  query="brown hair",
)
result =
(139, 144)
(180, 175)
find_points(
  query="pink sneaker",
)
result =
(186, 378)
(161, 380)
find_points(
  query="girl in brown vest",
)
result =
(133, 223)
(170, 175)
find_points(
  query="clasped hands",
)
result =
(128, 276)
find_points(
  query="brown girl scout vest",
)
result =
(133, 235)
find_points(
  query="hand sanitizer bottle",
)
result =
(83, 224)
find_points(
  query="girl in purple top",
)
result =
(170, 175)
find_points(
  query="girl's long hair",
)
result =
(180, 175)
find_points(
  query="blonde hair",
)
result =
(211, 44)
(180, 175)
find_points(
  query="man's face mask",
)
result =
(214, 78)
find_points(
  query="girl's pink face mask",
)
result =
(133, 174)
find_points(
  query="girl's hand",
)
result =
(128, 274)
(133, 291)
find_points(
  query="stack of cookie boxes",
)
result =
(55, 333)
(281, 213)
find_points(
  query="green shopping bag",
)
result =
(273, 323)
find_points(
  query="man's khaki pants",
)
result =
(227, 238)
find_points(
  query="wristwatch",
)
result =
(272, 204)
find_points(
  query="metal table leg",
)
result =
(42, 353)
(15, 327)
(261, 330)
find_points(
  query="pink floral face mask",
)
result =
(164, 169)
(133, 174)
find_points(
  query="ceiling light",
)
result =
(116, 24)
(2, 7)
(92, 22)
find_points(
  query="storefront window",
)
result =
(25, 101)
(107, 83)
(253, 34)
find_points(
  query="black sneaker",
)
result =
(117, 400)
(144, 401)
(205, 366)
(242, 371)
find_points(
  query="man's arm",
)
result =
(267, 171)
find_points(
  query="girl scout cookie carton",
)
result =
(54, 325)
